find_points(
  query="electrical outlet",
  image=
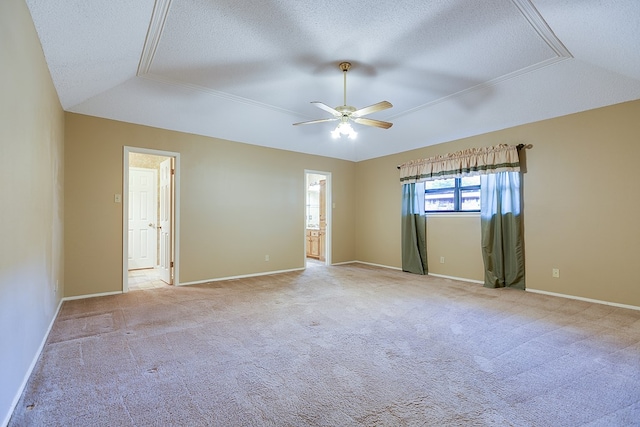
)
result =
(555, 272)
(117, 198)
(441, 260)
(266, 257)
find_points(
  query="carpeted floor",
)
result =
(350, 345)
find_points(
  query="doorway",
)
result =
(150, 218)
(317, 218)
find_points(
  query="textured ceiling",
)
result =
(245, 71)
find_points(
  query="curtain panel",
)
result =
(501, 230)
(469, 162)
(414, 229)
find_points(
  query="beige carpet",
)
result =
(348, 345)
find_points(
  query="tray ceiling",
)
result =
(245, 71)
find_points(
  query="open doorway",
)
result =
(317, 218)
(150, 209)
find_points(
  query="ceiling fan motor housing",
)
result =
(345, 110)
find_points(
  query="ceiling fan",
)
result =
(346, 113)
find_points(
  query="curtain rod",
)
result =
(518, 147)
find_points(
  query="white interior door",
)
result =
(166, 203)
(142, 218)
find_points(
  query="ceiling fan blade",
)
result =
(372, 109)
(371, 122)
(325, 107)
(316, 121)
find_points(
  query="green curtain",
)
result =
(414, 229)
(501, 228)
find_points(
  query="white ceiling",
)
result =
(247, 70)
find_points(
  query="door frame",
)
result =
(125, 211)
(328, 208)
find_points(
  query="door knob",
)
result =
(151, 225)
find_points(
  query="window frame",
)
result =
(458, 189)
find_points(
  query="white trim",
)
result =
(154, 33)
(526, 8)
(125, 210)
(483, 86)
(541, 27)
(461, 279)
(546, 34)
(554, 294)
(453, 214)
(176, 219)
(27, 375)
(102, 294)
(242, 276)
(370, 263)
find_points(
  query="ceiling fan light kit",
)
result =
(346, 113)
(344, 129)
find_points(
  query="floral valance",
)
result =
(470, 162)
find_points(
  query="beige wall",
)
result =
(581, 204)
(31, 181)
(457, 239)
(239, 202)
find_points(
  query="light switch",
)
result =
(117, 198)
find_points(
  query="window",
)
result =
(452, 195)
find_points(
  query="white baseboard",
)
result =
(344, 263)
(18, 395)
(243, 276)
(460, 279)
(369, 263)
(103, 294)
(597, 301)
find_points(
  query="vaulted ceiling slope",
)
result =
(247, 70)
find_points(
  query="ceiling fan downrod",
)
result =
(345, 66)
